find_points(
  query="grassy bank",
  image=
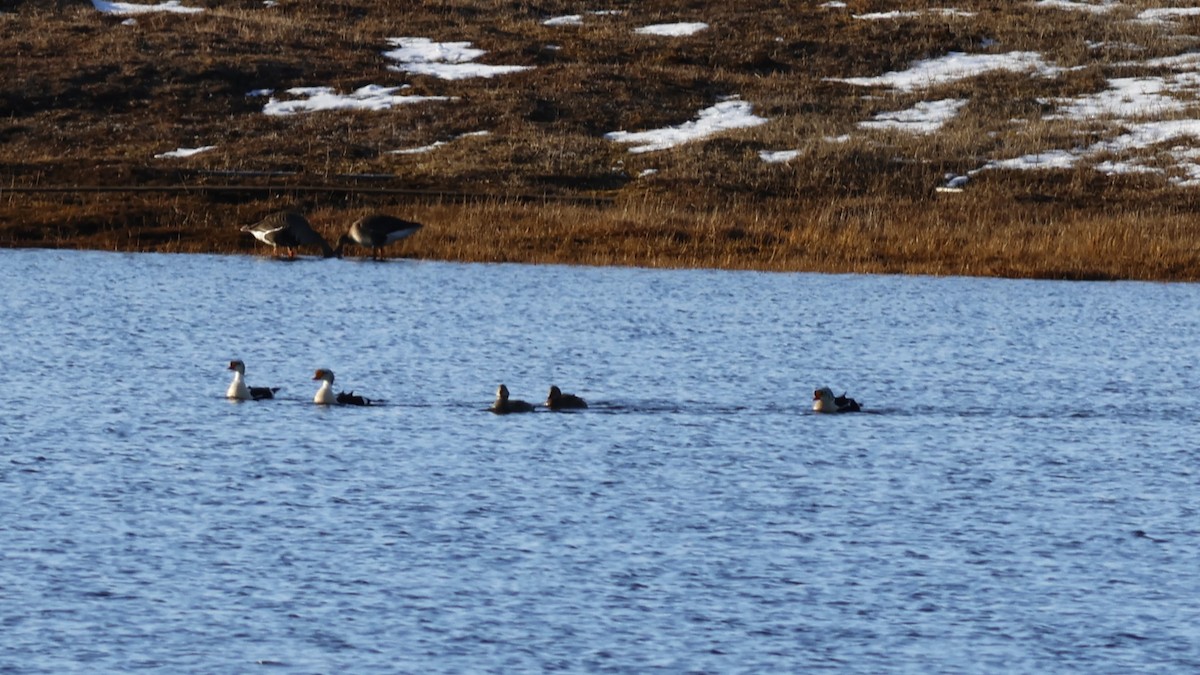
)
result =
(517, 167)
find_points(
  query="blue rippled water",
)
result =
(1019, 496)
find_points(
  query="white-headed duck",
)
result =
(825, 402)
(238, 389)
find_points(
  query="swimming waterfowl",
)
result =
(557, 400)
(352, 399)
(325, 393)
(238, 389)
(505, 405)
(825, 402)
(289, 230)
(376, 231)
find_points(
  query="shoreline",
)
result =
(933, 237)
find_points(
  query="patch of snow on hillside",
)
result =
(444, 60)
(1050, 159)
(726, 115)
(1138, 137)
(1129, 98)
(883, 16)
(953, 67)
(568, 20)
(925, 117)
(778, 156)
(435, 145)
(1149, 134)
(1187, 159)
(1188, 61)
(1125, 168)
(1069, 5)
(672, 29)
(424, 50)
(127, 8)
(1166, 15)
(184, 152)
(318, 99)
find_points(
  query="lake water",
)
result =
(1020, 494)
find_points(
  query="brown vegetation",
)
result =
(88, 102)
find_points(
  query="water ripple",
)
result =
(1017, 496)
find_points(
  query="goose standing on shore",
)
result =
(557, 400)
(238, 389)
(376, 231)
(505, 405)
(825, 402)
(289, 230)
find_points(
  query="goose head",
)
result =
(324, 374)
(502, 393)
(238, 366)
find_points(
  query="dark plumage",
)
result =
(259, 393)
(352, 399)
(376, 231)
(560, 401)
(505, 405)
(289, 230)
(846, 404)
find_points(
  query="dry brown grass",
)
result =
(87, 101)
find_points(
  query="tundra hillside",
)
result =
(103, 114)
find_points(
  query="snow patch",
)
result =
(672, 29)
(1166, 15)
(953, 67)
(568, 20)
(1069, 5)
(925, 117)
(1130, 97)
(778, 156)
(726, 115)
(318, 99)
(883, 16)
(435, 145)
(444, 60)
(184, 152)
(127, 8)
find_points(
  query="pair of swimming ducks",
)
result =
(240, 391)
(555, 400)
